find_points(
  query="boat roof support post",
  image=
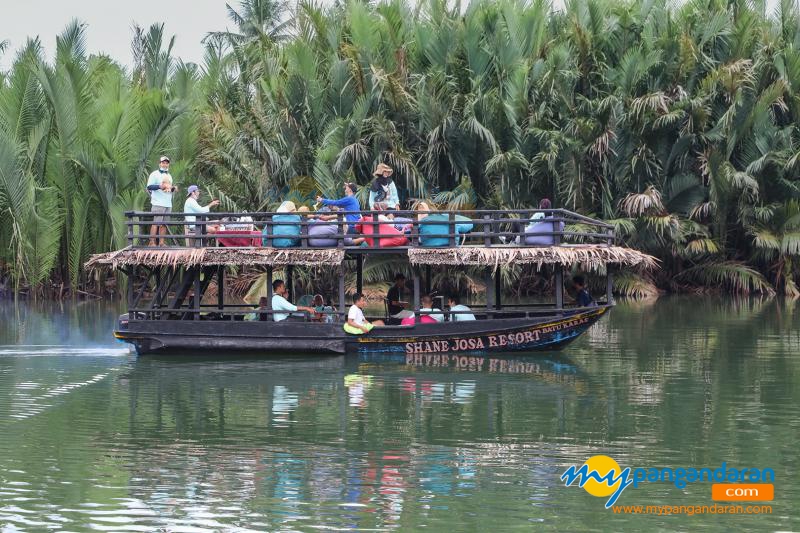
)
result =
(360, 273)
(559, 282)
(290, 281)
(131, 280)
(487, 279)
(498, 288)
(269, 291)
(197, 294)
(342, 302)
(428, 278)
(416, 296)
(220, 287)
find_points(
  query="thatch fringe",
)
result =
(587, 256)
(216, 256)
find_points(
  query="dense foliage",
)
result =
(679, 124)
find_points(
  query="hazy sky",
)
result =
(109, 23)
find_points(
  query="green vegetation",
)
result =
(677, 124)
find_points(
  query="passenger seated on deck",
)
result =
(356, 323)
(286, 227)
(258, 314)
(582, 296)
(465, 313)
(432, 235)
(434, 313)
(280, 303)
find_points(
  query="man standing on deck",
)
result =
(160, 188)
(280, 303)
(396, 299)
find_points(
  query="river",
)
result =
(94, 438)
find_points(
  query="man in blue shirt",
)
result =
(347, 203)
(582, 296)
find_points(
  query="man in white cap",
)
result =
(160, 188)
(192, 206)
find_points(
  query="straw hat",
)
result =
(381, 168)
(287, 207)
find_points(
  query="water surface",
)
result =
(94, 438)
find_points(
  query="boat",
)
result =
(169, 310)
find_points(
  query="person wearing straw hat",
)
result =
(192, 206)
(383, 188)
(160, 189)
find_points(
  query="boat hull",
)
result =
(481, 336)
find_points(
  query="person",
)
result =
(540, 231)
(396, 299)
(582, 296)
(192, 206)
(465, 313)
(382, 188)
(259, 314)
(160, 189)
(324, 312)
(428, 310)
(280, 303)
(356, 322)
(348, 202)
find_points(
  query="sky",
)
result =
(109, 23)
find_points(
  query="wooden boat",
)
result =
(167, 311)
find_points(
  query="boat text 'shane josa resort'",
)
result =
(171, 309)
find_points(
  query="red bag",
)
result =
(389, 235)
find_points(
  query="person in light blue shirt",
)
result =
(382, 189)
(348, 202)
(192, 206)
(280, 303)
(462, 312)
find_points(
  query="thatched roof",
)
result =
(217, 256)
(587, 256)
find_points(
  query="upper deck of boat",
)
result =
(474, 237)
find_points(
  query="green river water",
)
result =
(94, 438)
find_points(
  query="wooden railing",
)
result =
(489, 228)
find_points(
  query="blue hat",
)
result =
(191, 189)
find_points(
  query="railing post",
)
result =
(343, 228)
(303, 232)
(488, 229)
(131, 219)
(610, 233)
(268, 231)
